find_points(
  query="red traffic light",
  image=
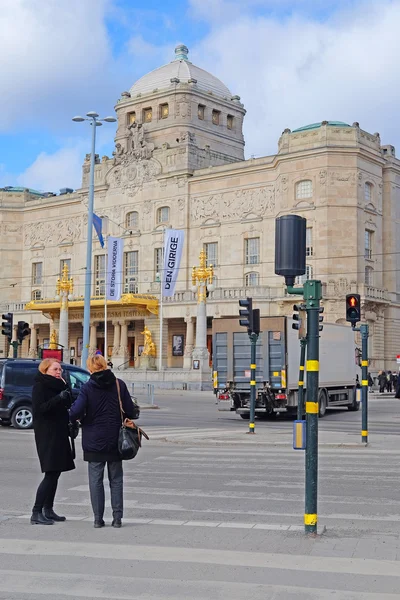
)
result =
(352, 301)
(353, 308)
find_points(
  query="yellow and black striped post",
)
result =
(364, 330)
(312, 296)
(300, 393)
(253, 366)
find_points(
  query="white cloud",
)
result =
(49, 172)
(296, 70)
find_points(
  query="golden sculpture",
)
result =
(149, 346)
(53, 340)
(64, 287)
(201, 276)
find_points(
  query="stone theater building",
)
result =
(179, 162)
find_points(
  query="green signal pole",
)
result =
(364, 330)
(15, 345)
(253, 342)
(312, 294)
(300, 393)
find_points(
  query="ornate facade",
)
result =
(179, 162)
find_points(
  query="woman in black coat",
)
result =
(99, 410)
(51, 400)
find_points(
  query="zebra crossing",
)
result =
(205, 522)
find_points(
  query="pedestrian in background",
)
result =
(98, 408)
(389, 381)
(370, 382)
(50, 402)
(382, 381)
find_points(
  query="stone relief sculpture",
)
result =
(234, 205)
(54, 232)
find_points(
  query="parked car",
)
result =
(16, 382)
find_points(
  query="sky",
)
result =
(292, 62)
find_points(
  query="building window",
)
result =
(131, 118)
(309, 244)
(37, 273)
(308, 275)
(164, 111)
(215, 117)
(65, 262)
(252, 250)
(158, 262)
(369, 275)
(201, 109)
(229, 121)
(100, 275)
(131, 270)
(163, 214)
(211, 251)
(304, 189)
(36, 295)
(368, 192)
(147, 115)
(368, 244)
(251, 279)
(132, 220)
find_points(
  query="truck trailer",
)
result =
(277, 372)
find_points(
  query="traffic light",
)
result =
(300, 318)
(22, 330)
(247, 314)
(353, 308)
(321, 318)
(256, 321)
(7, 325)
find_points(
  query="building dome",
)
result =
(179, 70)
(317, 125)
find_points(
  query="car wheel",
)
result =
(22, 417)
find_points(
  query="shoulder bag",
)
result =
(130, 435)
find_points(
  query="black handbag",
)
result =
(130, 435)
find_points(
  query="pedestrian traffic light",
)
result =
(7, 325)
(353, 308)
(256, 321)
(300, 318)
(22, 330)
(247, 313)
(321, 318)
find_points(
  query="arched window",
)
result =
(163, 214)
(368, 191)
(369, 275)
(251, 279)
(304, 189)
(132, 220)
(36, 295)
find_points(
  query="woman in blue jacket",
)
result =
(98, 409)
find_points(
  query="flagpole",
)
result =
(105, 304)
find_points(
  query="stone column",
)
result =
(187, 359)
(200, 352)
(117, 333)
(33, 342)
(124, 339)
(93, 339)
(63, 338)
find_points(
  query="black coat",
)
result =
(97, 407)
(50, 423)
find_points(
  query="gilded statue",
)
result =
(149, 346)
(53, 340)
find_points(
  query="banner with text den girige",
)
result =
(174, 239)
(114, 268)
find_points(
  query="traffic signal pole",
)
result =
(253, 342)
(300, 393)
(364, 330)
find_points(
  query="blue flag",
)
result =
(98, 225)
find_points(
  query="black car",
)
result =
(16, 382)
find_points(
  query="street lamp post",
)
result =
(92, 117)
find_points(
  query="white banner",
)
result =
(173, 246)
(114, 268)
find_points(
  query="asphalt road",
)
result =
(207, 520)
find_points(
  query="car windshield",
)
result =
(77, 379)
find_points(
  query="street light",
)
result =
(92, 117)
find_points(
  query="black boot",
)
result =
(50, 514)
(99, 523)
(38, 518)
(116, 523)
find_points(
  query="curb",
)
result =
(215, 442)
(148, 407)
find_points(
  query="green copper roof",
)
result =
(22, 189)
(316, 125)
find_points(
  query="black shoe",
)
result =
(38, 518)
(98, 524)
(116, 523)
(50, 514)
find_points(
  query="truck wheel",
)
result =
(22, 417)
(245, 417)
(354, 406)
(323, 402)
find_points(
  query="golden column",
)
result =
(64, 292)
(202, 278)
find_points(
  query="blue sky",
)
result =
(292, 62)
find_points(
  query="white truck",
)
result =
(278, 361)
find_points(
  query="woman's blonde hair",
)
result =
(46, 363)
(96, 363)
